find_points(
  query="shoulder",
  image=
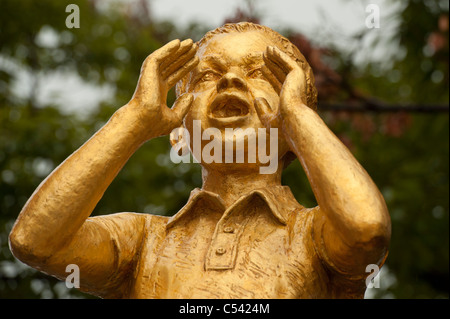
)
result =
(301, 230)
(119, 222)
(301, 219)
(155, 222)
(309, 232)
(128, 228)
(130, 221)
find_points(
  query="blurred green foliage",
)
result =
(406, 154)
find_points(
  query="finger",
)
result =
(265, 112)
(274, 65)
(273, 61)
(274, 75)
(182, 71)
(282, 59)
(184, 47)
(295, 79)
(182, 105)
(262, 107)
(166, 51)
(296, 71)
(161, 54)
(179, 62)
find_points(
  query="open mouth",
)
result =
(228, 105)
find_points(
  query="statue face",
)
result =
(226, 82)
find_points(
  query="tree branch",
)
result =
(382, 108)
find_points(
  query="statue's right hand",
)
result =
(160, 71)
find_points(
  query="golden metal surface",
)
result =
(242, 235)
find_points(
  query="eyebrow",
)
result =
(216, 60)
(253, 58)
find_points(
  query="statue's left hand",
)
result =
(287, 72)
(160, 71)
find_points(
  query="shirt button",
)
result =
(220, 251)
(228, 229)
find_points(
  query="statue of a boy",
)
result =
(242, 235)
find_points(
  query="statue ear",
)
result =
(179, 139)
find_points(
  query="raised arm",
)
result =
(352, 224)
(53, 229)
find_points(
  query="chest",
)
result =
(243, 257)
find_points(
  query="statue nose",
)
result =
(231, 80)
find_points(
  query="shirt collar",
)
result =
(279, 199)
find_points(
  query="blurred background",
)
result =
(383, 91)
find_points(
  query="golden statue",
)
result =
(242, 235)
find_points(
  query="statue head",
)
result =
(229, 77)
(309, 96)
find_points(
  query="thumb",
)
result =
(182, 105)
(262, 107)
(264, 111)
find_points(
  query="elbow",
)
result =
(367, 239)
(374, 243)
(18, 245)
(378, 226)
(371, 221)
(373, 234)
(366, 227)
(23, 248)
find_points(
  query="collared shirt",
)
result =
(260, 247)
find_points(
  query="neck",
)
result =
(230, 185)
